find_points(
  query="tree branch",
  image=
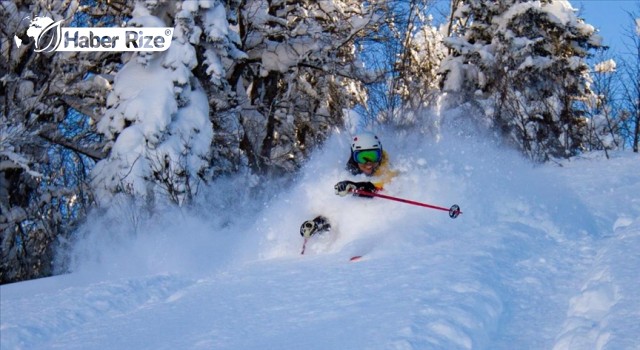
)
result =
(56, 139)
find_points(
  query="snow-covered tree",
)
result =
(157, 119)
(44, 153)
(419, 86)
(406, 53)
(631, 83)
(602, 111)
(302, 71)
(522, 63)
(213, 29)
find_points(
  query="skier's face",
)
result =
(368, 168)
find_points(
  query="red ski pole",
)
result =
(454, 211)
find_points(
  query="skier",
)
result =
(368, 158)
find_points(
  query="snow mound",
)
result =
(541, 258)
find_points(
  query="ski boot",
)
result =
(318, 225)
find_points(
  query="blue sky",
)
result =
(610, 17)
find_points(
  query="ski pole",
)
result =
(454, 211)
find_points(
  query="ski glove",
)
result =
(345, 187)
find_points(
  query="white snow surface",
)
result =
(542, 257)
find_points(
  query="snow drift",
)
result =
(542, 257)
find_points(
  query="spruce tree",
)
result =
(522, 63)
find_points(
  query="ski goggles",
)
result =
(367, 156)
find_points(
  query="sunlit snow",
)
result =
(542, 257)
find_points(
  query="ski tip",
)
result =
(355, 258)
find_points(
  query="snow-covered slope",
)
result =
(541, 258)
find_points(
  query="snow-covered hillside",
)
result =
(541, 258)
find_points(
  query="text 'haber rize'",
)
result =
(135, 40)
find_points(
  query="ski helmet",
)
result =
(364, 141)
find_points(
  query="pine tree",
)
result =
(157, 120)
(522, 63)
